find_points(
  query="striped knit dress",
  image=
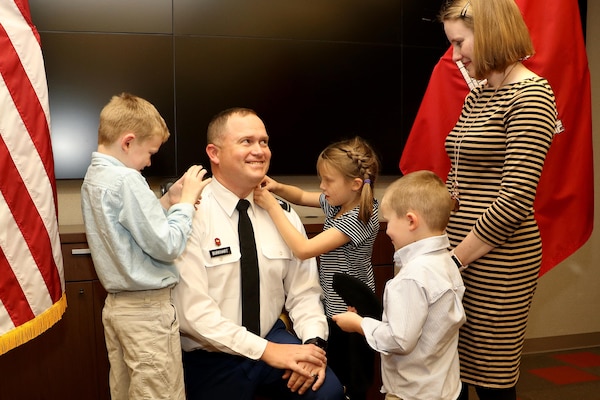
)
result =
(501, 139)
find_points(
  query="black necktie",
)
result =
(249, 269)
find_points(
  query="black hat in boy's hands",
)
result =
(358, 295)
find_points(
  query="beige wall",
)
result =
(567, 303)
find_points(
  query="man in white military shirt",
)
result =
(222, 358)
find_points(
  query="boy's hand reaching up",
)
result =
(193, 183)
(187, 189)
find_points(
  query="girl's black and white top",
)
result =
(353, 258)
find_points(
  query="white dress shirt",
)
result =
(208, 298)
(422, 313)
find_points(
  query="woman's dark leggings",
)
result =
(489, 394)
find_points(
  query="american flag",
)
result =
(32, 286)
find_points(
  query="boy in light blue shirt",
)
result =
(134, 238)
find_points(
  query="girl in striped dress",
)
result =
(348, 170)
(497, 150)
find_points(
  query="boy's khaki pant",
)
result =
(144, 349)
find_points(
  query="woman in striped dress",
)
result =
(497, 151)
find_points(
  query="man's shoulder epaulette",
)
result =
(285, 205)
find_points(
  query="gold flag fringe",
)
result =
(31, 329)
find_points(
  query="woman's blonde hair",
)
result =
(500, 34)
(422, 192)
(128, 113)
(355, 158)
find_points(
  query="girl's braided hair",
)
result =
(355, 158)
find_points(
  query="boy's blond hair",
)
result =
(128, 113)
(422, 192)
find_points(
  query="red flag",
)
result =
(32, 287)
(564, 206)
(439, 111)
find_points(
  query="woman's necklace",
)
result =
(470, 120)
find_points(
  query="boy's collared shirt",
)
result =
(133, 240)
(418, 334)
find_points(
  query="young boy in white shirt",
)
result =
(417, 336)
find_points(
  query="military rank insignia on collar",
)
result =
(285, 205)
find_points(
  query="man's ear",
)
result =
(213, 153)
(126, 141)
